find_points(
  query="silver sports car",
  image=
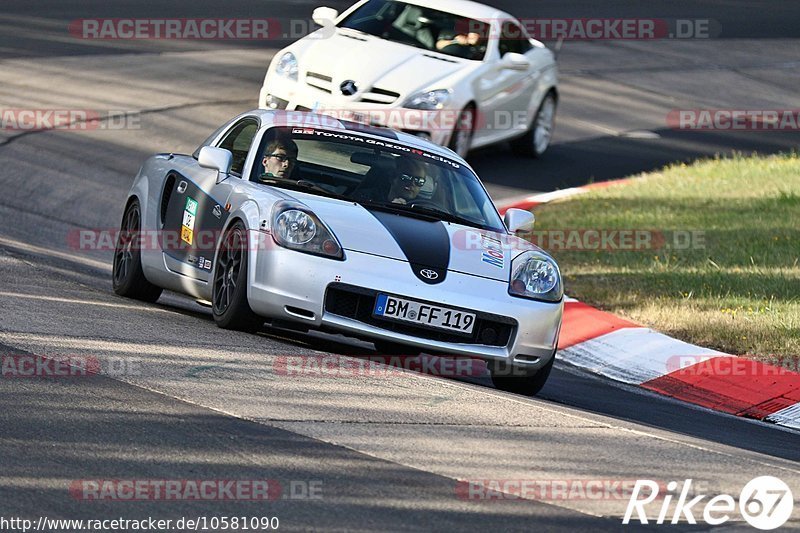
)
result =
(312, 222)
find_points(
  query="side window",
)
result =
(512, 39)
(238, 141)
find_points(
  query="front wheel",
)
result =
(461, 140)
(510, 378)
(537, 139)
(127, 275)
(229, 304)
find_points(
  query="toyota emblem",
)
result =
(427, 273)
(348, 88)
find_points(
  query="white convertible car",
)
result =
(460, 74)
(347, 228)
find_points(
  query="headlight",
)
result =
(535, 275)
(297, 228)
(429, 100)
(287, 66)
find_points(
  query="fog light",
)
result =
(273, 102)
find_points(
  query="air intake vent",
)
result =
(319, 81)
(442, 58)
(380, 96)
(169, 186)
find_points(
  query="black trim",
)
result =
(425, 244)
(357, 303)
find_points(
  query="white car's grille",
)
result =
(319, 81)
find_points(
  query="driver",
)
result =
(408, 182)
(461, 45)
(280, 157)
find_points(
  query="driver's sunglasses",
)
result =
(419, 181)
(283, 158)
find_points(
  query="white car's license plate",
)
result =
(423, 314)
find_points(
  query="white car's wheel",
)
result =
(537, 139)
(461, 139)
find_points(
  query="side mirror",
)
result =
(519, 222)
(515, 61)
(217, 159)
(324, 16)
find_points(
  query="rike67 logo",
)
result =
(765, 503)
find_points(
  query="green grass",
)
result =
(736, 290)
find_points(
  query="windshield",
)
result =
(421, 27)
(379, 174)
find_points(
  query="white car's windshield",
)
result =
(377, 173)
(421, 27)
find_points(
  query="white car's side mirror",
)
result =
(515, 61)
(217, 159)
(324, 16)
(519, 222)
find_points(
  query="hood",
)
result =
(441, 246)
(374, 62)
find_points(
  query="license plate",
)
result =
(422, 314)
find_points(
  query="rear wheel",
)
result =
(229, 304)
(461, 139)
(127, 275)
(518, 380)
(537, 139)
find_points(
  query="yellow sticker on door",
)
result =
(187, 229)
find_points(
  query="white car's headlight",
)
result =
(287, 66)
(535, 275)
(429, 100)
(297, 228)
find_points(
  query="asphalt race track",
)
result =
(359, 452)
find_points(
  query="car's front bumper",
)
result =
(291, 285)
(436, 126)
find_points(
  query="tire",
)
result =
(127, 276)
(537, 139)
(461, 138)
(506, 379)
(229, 304)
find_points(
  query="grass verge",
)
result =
(711, 256)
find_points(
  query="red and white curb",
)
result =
(618, 349)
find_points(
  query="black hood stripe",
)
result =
(426, 244)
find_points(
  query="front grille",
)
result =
(319, 81)
(357, 303)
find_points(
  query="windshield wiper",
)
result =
(430, 213)
(303, 185)
(447, 216)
